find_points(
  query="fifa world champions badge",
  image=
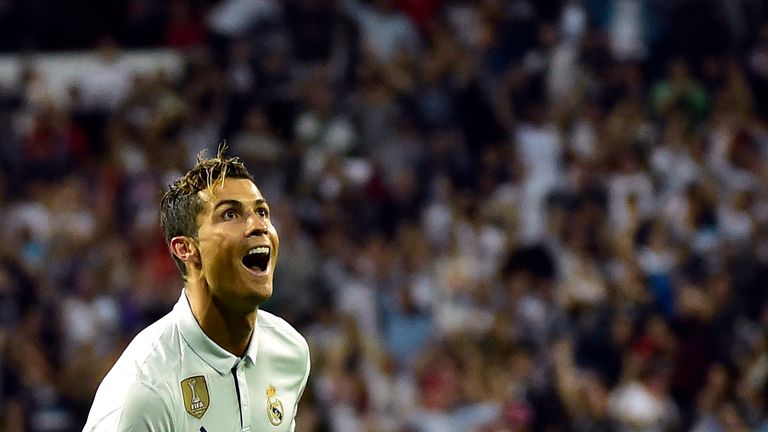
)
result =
(274, 407)
(196, 398)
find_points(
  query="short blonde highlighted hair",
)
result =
(181, 204)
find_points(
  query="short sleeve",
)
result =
(302, 386)
(124, 404)
(145, 410)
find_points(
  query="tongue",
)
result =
(254, 262)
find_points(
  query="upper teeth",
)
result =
(259, 250)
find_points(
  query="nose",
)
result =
(256, 225)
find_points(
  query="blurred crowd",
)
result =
(495, 215)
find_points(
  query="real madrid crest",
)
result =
(274, 406)
(195, 392)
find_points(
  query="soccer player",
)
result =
(215, 363)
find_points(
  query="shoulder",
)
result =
(284, 345)
(152, 356)
(273, 326)
(140, 381)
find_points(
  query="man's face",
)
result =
(238, 244)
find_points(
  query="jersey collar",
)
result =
(217, 357)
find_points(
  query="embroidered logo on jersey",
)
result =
(274, 406)
(195, 392)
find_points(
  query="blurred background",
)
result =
(495, 215)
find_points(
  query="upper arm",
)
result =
(304, 380)
(126, 404)
(303, 384)
(146, 409)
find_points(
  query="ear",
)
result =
(185, 249)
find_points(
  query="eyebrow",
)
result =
(236, 203)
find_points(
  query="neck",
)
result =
(228, 327)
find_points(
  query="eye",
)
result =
(262, 211)
(229, 214)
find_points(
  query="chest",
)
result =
(251, 397)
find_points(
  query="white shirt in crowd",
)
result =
(172, 377)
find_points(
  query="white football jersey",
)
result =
(172, 377)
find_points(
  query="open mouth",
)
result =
(257, 258)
